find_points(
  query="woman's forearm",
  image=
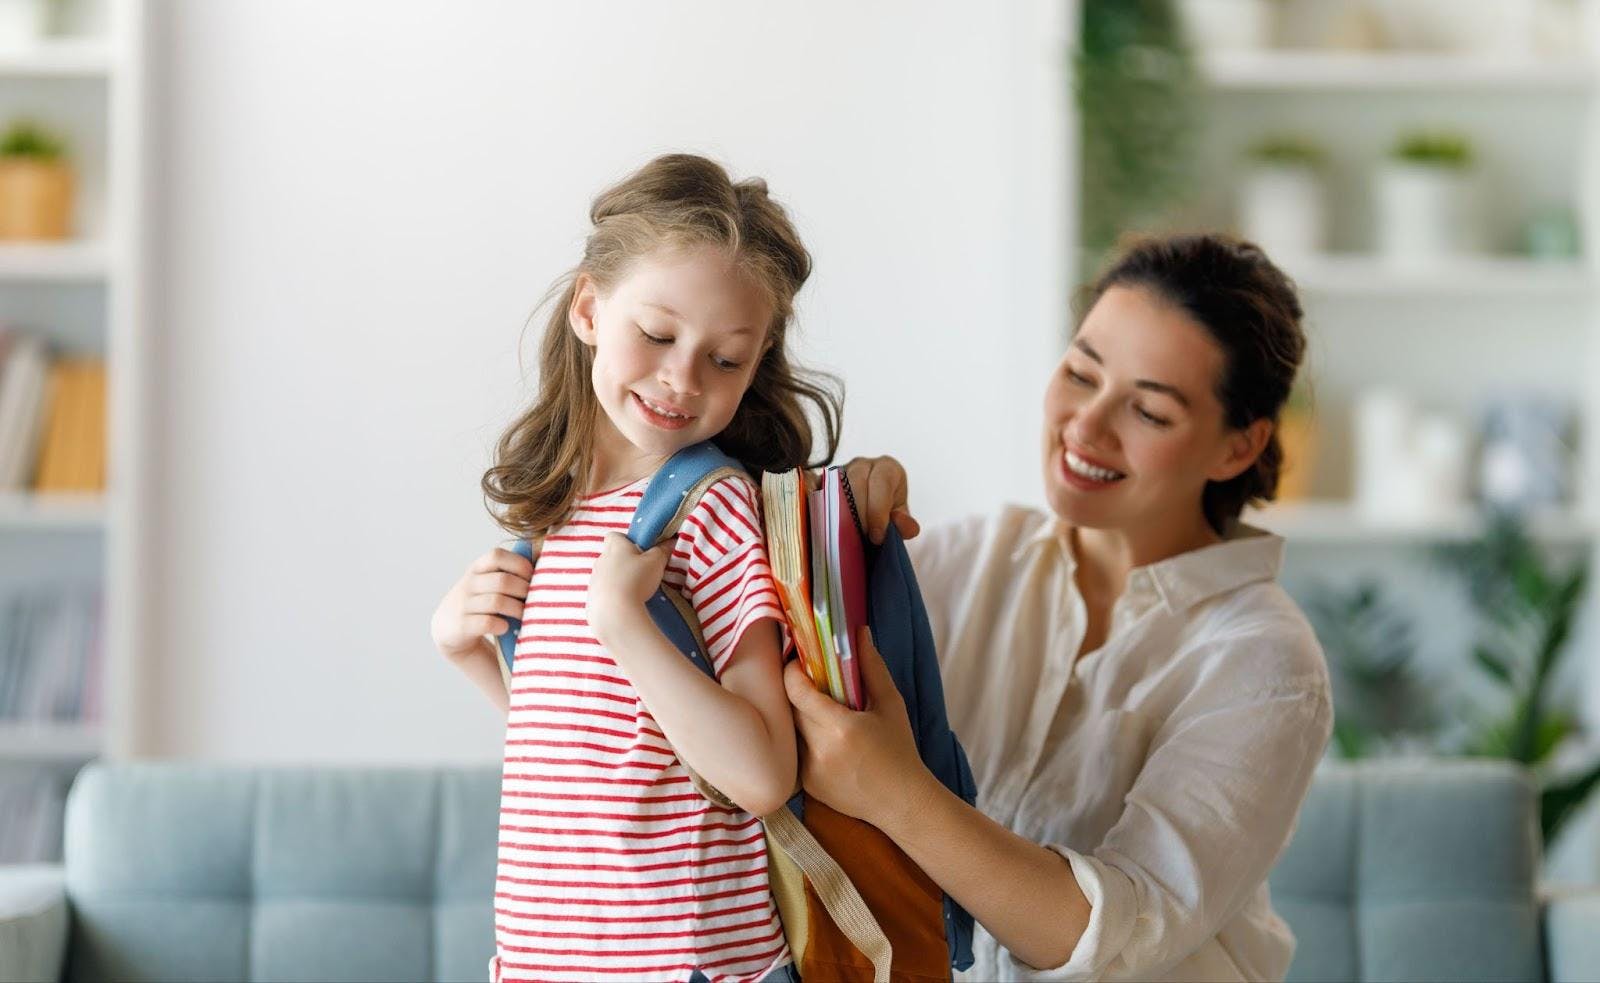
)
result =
(718, 733)
(1024, 894)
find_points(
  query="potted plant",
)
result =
(1281, 205)
(1427, 200)
(35, 184)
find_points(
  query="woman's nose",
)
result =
(1088, 425)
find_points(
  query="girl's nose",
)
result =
(681, 376)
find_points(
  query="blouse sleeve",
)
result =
(720, 564)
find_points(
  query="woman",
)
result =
(1142, 704)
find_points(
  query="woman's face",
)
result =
(1133, 428)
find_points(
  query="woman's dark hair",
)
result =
(1230, 288)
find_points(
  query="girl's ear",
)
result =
(1243, 447)
(581, 312)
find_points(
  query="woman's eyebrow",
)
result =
(1147, 384)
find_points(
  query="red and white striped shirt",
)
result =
(611, 866)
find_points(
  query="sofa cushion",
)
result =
(187, 872)
(1411, 870)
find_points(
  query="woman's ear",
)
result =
(581, 312)
(1241, 450)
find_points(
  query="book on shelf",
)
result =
(50, 656)
(31, 804)
(52, 418)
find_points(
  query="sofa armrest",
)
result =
(33, 923)
(1572, 935)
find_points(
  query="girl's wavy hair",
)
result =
(1251, 309)
(676, 201)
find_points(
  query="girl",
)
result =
(670, 331)
(1142, 704)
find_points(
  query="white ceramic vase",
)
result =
(1228, 25)
(1427, 212)
(1282, 210)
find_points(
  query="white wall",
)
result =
(359, 203)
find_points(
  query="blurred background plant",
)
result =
(1525, 605)
(1138, 94)
(1382, 704)
(1436, 148)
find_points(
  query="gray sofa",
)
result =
(188, 872)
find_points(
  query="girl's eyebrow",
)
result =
(663, 308)
(1148, 384)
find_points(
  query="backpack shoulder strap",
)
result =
(674, 491)
(668, 499)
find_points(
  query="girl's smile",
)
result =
(661, 414)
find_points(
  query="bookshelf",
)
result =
(1448, 333)
(83, 298)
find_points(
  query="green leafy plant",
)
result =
(1526, 610)
(25, 139)
(1381, 703)
(1434, 149)
(1137, 94)
(1525, 607)
(1288, 150)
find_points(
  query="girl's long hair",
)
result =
(675, 201)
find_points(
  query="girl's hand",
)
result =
(864, 763)
(879, 487)
(487, 598)
(624, 578)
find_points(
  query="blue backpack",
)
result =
(900, 630)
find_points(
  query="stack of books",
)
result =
(50, 655)
(52, 419)
(818, 557)
(31, 805)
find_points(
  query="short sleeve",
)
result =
(719, 563)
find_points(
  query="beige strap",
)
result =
(838, 896)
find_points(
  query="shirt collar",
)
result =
(1247, 556)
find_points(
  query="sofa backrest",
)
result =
(1398, 870)
(206, 872)
(1410, 870)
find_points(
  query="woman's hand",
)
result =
(864, 763)
(879, 487)
(485, 601)
(624, 578)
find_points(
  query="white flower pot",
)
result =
(1228, 25)
(1282, 210)
(1427, 212)
(22, 24)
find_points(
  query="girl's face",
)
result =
(676, 342)
(1133, 428)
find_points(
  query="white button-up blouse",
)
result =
(1167, 766)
